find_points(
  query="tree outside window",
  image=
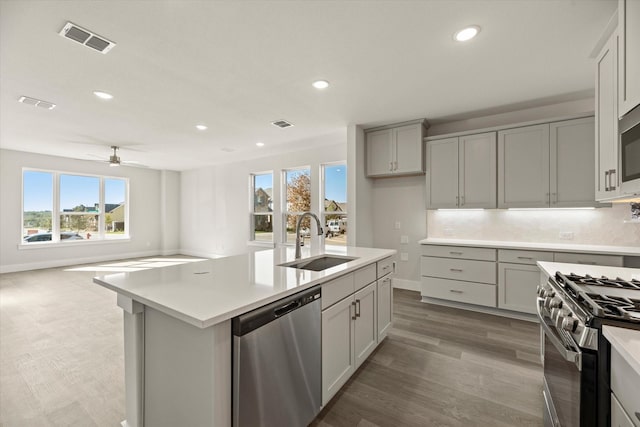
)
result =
(298, 201)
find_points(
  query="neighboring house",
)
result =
(115, 216)
(263, 202)
(333, 206)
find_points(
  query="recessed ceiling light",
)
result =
(466, 34)
(102, 95)
(260, 144)
(321, 84)
(201, 127)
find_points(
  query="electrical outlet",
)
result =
(566, 235)
(397, 225)
(404, 240)
(404, 256)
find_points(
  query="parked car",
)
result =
(335, 226)
(46, 237)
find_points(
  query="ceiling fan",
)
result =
(114, 159)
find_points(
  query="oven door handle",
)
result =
(568, 355)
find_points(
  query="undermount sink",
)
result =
(318, 263)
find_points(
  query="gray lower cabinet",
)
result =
(502, 278)
(356, 315)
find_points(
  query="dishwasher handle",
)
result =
(287, 308)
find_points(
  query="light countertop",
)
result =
(550, 269)
(554, 247)
(626, 342)
(207, 292)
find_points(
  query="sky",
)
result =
(75, 190)
(335, 182)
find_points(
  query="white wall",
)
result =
(145, 214)
(215, 216)
(403, 199)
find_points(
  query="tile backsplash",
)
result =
(602, 226)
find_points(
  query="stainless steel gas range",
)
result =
(572, 309)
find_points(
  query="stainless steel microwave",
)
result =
(629, 139)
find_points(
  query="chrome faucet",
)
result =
(300, 218)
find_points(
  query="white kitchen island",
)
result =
(177, 327)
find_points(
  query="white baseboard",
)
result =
(410, 285)
(200, 254)
(65, 262)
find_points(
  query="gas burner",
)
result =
(604, 281)
(609, 306)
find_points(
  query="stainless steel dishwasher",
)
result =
(277, 372)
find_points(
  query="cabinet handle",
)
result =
(459, 270)
(611, 173)
(462, 200)
(391, 166)
(455, 253)
(587, 262)
(554, 198)
(455, 291)
(395, 166)
(357, 308)
(524, 257)
(607, 181)
(457, 200)
(353, 303)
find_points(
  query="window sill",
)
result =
(73, 243)
(261, 244)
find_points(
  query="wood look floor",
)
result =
(61, 362)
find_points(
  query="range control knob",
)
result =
(569, 324)
(540, 291)
(555, 303)
(549, 293)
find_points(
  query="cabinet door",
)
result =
(385, 307)
(379, 157)
(517, 285)
(442, 173)
(408, 150)
(365, 335)
(337, 347)
(571, 163)
(523, 167)
(629, 55)
(607, 120)
(477, 171)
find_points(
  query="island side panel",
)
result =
(187, 373)
(133, 323)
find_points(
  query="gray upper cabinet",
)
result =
(523, 167)
(628, 55)
(461, 172)
(548, 165)
(606, 125)
(395, 150)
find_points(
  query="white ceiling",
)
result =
(238, 65)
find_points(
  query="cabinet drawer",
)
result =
(624, 383)
(619, 417)
(572, 258)
(459, 269)
(517, 256)
(385, 267)
(481, 254)
(453, 290)
(364, 276)
(337, 289)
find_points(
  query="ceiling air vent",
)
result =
(86, 38)
(37, 102)
(282, 124)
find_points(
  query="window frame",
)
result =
(101, 236)
(253, 213)
(323, 211)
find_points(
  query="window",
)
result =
(298, 200)
(334, 202)
(88, 207)
(262, 207)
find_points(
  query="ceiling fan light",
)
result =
(467, 33)
(113, 164)
(103, 95)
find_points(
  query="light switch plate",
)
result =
(397, 225)
(404, 256)
(404, 240)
